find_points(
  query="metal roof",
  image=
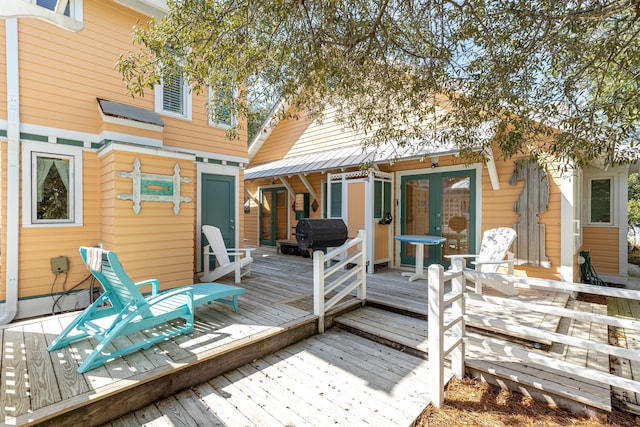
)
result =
(129, 112)
(432, 144)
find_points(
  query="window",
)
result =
(54, 196)
(220, 114)
(381, 198)
(601, 201)
(73, 8)
(173, 98)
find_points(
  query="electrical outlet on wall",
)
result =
(59, 265)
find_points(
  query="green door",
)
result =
(438, 204)
(273, 215)
(218, 208)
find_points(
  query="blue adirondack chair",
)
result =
(123, 309)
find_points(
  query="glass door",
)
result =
(273, 215)
(438, 204)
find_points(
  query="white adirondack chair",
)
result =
(228, 260)
(493, 249)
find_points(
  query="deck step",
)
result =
(410, 335)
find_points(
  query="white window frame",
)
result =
(75, 9)
(29, 184)
(213, 96)
(186, 101)
(612, 187)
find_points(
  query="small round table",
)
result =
(419, 241)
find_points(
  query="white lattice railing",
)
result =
(339, 277)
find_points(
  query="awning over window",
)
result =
(129, 112)
(433, 144)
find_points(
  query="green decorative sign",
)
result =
(154, 187)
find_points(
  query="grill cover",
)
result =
(320, 233)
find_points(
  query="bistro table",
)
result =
(419, 241)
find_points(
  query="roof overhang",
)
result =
(432, 144)
(155, 8)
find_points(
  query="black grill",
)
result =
(320, 234)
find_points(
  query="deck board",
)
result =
(277, 297)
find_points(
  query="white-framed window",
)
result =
(600, 202)
(73, 8)
(173, 98)
(51, 184)
(220, 115)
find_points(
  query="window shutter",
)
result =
(173, 95)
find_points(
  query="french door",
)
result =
(273, 215)
(438, 204)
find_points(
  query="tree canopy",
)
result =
(563, 76)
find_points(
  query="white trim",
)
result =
(132, 139)
(155, 8)
(28, 9)
(307, 184)
(212, 169)
(425, 171)
(89, 139)
(75, 176)
(266, 128)
(492, 170)
(208, 155)
(187, 101)
(622, 188)
(144, 150)
(612, 190)
(13, 171)
(567, 225)
(59, 133)
(129, 122)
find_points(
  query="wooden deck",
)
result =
(225, 359)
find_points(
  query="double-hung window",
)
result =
(173, 97)
(52, 184)
(220, 113)
(601, 201)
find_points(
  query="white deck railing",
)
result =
(450, 338)
(446, 338)
(327, 279)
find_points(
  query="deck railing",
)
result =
(339, 277)
(446, 336)
(455, 333)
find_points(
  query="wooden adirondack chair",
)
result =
(123, 309)
(240, 265)
(493, 249)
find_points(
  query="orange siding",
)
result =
(39, 244)
(604, 246)
(62, 73)
(155, 242)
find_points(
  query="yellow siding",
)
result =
(62, 73)
(61, 76)
(604, 246)
(39, 244)
(154, 243)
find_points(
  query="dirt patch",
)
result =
(471, 403)
(594, 299)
